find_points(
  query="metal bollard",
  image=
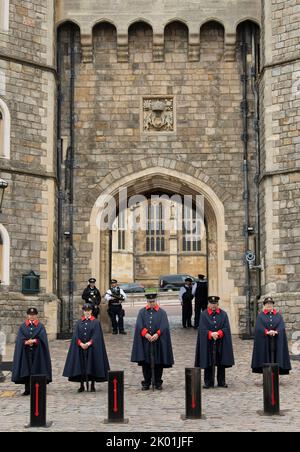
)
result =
(271, 390)
(193, 400)
(116, 398)
(38, 402)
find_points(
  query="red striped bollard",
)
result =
(271, 390)
(193, 400)
(38, 402)
(116, 398)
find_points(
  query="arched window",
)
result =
(4, 130)
(4, 256)
(4, 16)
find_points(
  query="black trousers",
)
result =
(187, 312)
(116, 314)
(148, 375)
(221, 376)
(199, 307)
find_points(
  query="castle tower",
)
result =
(27, 159)
(280, 155)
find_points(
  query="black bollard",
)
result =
(193, 402)
(116, 398)
(271, 390)
(38, 401)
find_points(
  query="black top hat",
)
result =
(269, 300)
(201, 276)
(92, 280)
(113, 281)
(188, 280)
(213, 300)
(151, 296)
(32, 311)
(87, 307)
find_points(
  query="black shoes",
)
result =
(223, 385)
(145, 388)
(123, 332)
(115, 332)
(93, 387)
(81, 389)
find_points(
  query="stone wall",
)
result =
(28, 89)
(280, 186)
(109, 133)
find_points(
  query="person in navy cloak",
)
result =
(152, 344)
(87, 358)
(270, 342)
(32, 356)
(214, 346)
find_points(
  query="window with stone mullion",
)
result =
(155, 241)
(191, 241)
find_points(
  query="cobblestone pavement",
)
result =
(234, 409)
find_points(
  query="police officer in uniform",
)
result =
(31, 355)
(91, 295)
(115, 297)
(186, 296)
(201, 298)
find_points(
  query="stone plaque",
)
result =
(158, 114)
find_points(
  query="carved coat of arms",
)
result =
(158, 115)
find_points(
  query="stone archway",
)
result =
(178, 178)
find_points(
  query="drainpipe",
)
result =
(245, 139)
(60, 236)
(255, 89)
(71, 172)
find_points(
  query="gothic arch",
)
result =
(247, 19)
(103, 21)
(140, 20)
(164, 175)
(5, 258)
(64, 22)
(126, 172)
(212, 19)
(177, 20)
(5, 124)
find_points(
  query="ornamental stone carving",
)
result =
(158, 114)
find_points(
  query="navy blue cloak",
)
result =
(141, 350)
(92, 362)
(204, 348)
(262, 344)
(36, 361)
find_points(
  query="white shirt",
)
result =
(183, 291)
(108, 296)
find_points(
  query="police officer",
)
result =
(186, 296)
(201, 298)
(91, 295)
(115, 297)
